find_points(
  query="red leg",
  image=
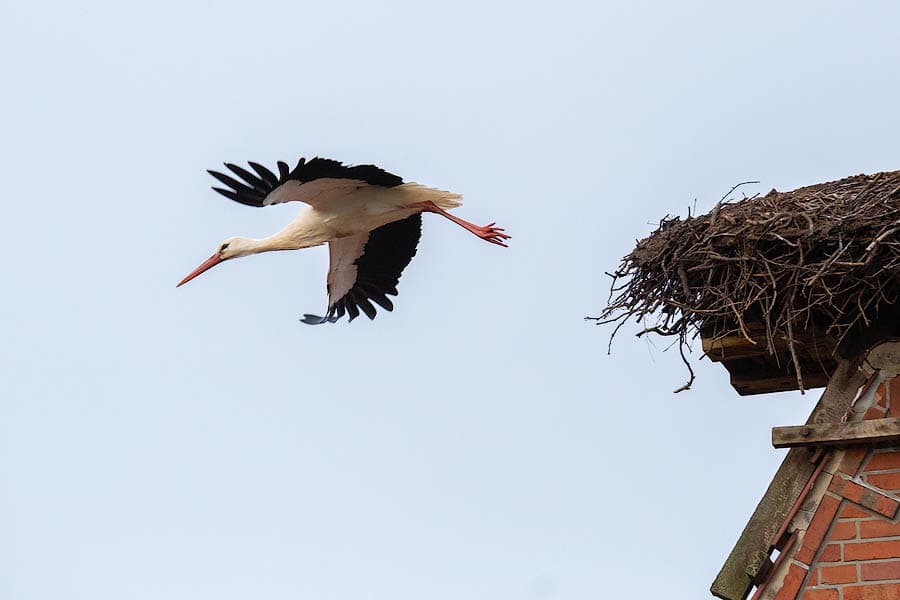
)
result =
(488, 233)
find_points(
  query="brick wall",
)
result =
(850, 549)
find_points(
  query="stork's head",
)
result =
(231, 248)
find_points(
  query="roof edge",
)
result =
(750, 556)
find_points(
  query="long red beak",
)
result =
(209, 263)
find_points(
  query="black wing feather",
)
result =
(268, 176)
(283, 171)
(254, 181)
(382, 301)
(254, 188)
(232, 195)
(352, 311)
(247, 194)
(363, 303)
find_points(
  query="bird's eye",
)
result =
(222, 249)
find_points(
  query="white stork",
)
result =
(370, 219)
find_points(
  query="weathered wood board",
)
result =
(871, 432)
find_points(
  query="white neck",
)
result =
(284, 240)
(305, 231)
(241, 246)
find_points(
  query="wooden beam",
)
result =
(730, 347)
(754, 370)
(735, 345)
(761, 381)
(873, 431)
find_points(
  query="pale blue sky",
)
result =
(477, 443)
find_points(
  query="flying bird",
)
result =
(370, 219)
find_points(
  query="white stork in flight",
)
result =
(370, 219)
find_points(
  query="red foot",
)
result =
(491, 234)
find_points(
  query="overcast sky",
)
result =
(475, 444)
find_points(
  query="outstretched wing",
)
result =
(366, 268)
(312, 181)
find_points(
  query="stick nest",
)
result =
(821, 258)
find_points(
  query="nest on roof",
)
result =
(822, 258)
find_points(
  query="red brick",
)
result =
(879, 528)
(851, 511)
(843, 531)
(881, 394)
(820, 595)
(885, 481)
(880, 503)
(846, 488)
(831, 553)
(880, 570)
(818, 527)
(885, 591)
(872, 550)
(839, 574)
(895, 397)
(874, 412)
(852, 460)
(884, 460)
(886, 507)
(792, 582)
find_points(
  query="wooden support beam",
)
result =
(760, 366)
(762, 381)
(873, 431)
(730, 347)
(736, 346)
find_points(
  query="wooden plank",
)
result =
(764, 375)
(754, 370)
(751, 553)
(874, 431)
(766, 382)
(730, 347)
(735, 346)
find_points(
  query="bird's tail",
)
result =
(421, 193)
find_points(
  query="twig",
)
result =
(690, 381)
